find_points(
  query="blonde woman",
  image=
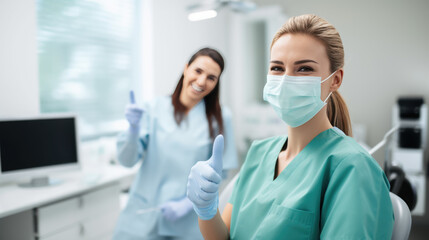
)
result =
(317, 182)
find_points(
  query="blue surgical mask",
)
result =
(296, 99)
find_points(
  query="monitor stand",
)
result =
(43, 181)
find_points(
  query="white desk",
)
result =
(27, 206)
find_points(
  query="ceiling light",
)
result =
(202, 15)
(208, 9)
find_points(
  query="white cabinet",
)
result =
(72, 210)
(86, 216)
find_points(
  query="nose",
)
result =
(289, 72)
(201, 80)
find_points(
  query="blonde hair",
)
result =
(320, 29)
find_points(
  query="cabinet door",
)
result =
(58, 216)
(17, 226)
(101, 210)
(100, 226)
(88, 215)
(101, 201)
(73, 232)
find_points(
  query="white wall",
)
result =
(387, 54)
(19, 87)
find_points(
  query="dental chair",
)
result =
(401, 227)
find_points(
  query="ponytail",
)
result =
(338, 113)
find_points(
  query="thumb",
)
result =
(132, 98)
(216, 159)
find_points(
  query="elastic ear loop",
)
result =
(328, 97)
(328, 77)
(330, 93)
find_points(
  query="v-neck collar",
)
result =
(299, 158)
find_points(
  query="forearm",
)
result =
(129, 149)
(214, 228)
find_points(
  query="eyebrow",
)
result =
(305, 61)
(296, 63)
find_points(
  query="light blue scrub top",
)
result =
(333, 189)
(168, 152)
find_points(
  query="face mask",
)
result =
(295, 99)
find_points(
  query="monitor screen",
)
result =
(37, 143)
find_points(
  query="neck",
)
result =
(300, 136)
(187, 102)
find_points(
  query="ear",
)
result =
(337, 80)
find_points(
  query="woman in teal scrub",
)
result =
(169, 135)
(315, 183)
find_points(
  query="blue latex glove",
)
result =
(133, 114)
(204, 180)
(174, 210)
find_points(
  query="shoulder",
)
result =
(348, 155)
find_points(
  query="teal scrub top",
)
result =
(168, 151)
(333, 189)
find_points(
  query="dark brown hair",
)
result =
(320, 29)
(213, 109)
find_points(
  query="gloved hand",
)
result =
(174, 210)
(133, 114)
(204, 180)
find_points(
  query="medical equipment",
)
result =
(38, 146)
(407, 149)
(296, 99)
(384, 141)
(403, 221)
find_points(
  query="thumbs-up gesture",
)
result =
(133, 113)
(204, 180)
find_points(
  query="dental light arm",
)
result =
(384, 141)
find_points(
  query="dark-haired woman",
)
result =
(171, 134)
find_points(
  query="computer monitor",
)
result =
(35, 147)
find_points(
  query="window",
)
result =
(89, 59)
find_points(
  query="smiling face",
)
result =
(302, 55)
(199, 79)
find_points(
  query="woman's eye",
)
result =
(198, 70)
(276, 69)
(305, 69)
(211, 78)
